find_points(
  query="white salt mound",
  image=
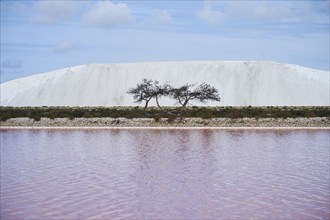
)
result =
(240, 83)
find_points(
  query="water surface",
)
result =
(186, 174)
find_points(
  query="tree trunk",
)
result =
(180, 102)
(185, 103)
(158, 103)
(146, 105)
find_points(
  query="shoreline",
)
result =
(164, 128)
(163, 123)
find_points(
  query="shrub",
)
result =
(235, 114)
(5, 117)
(207, 113)
(71, 117)
(87, 115)
(36, 118)
(130, 116)
(50, 115)
(171, 119)
(157, 118)
(34, 115)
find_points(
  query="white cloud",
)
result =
(210, 15)
(260, 10)
(64, 47)
(316, 13)
(215, 12)
(164, 17)
(16, 7)
(156, 19)
(51, 12)
(106, 14)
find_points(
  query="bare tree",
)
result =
(183, 94)
(147, 90)
(159, 91)
(205, 92)
(143, 92)
(202, 93)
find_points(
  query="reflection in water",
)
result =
(103, 174)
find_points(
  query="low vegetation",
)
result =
(37, 113)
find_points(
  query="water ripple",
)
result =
(167, 174)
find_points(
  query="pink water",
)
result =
(167, 174)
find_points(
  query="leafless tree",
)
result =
(203, 93)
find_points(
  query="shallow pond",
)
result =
(168, 174)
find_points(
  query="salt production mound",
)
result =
(240, 83)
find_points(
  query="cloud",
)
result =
(107, 14)
(15, 7)
(210, 15)
(256, 10)
(163, 17)
(64, 47)
(216, 12)
(12, 63)
(156, 19)
(51, 12)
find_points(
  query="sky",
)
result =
(41, 36)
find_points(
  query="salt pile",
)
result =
(240, 83)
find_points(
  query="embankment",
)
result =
(164, 122)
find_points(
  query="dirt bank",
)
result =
(185, 122)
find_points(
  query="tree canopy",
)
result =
(143, 92)
(147, 90)
(202, 93)
(150, 89)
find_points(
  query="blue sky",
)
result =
(40, 36)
